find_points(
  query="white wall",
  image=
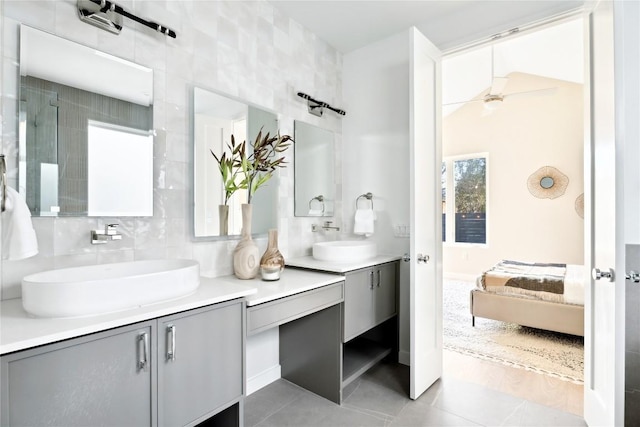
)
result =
(521, 136)
(375, 152)
(628, 83)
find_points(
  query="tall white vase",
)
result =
(246, 257)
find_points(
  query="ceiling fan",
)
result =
(494, 98)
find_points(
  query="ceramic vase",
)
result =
(246, 257)
(272, 261)
(223, 218)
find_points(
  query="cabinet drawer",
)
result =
(270, 314)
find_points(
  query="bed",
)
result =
(538, 295)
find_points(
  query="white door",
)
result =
(425, 310)
(604, 249)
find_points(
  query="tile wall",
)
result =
(246, 49)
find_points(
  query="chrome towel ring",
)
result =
(367, 196)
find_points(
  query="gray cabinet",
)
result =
(101, 379)
(370, 323)
(172, 371)
(200, 363)
(370, 298)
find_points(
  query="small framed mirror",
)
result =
(546, 182)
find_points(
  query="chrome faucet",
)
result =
(100, 237)
(326, 226)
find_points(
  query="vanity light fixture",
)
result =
(108, 16)
(317, 107)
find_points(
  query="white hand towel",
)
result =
(363, 222)
(18, 236)
(315, 212)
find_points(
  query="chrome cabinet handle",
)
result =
(597, 274)
(143, 351)
(406, 257)
(171, 342)
(423, 259)
(634, 276)
(371, 280)
(378, 278)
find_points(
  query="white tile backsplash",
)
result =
(245, 49)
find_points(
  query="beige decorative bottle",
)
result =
(246, 255)
(272, 262)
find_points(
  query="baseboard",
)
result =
(460, 276)
(263, 379)
(404, 357)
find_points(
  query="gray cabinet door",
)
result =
(89, 381)
(385, 292)
(358, 302)
(206, 370)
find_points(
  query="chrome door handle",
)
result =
(171, 342)
(423, 259)
(143, 351)
(597, 274)
(406, 257)
(634, 276)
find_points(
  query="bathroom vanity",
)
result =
(363, 329)
(174, 363)
(181, 362)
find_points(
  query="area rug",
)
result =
(551, 353)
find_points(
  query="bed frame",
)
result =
(551, 316)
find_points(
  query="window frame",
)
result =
(449, 210)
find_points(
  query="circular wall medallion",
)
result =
(580, 205)
(547, 183)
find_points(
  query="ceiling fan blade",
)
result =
(463, 102)
(497, 85)
(538, 92)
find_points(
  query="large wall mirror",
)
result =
(314, 176)
(85, 130)
(215, 119)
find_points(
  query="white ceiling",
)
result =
(351, 24)
(555, 52)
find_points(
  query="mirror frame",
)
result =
(192, 154)
(326, 197)
(126, 87)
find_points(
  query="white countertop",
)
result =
(292, 281)
(339, 267)
(19, 331)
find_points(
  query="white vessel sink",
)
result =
(98, 289)
(344, 250)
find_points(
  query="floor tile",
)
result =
(269, 400)
(534, 415)
(476, 403)
(468, 394)
(423, 415)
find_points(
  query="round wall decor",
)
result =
(580, 205)
(547, 183)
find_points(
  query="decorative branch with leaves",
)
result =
(228, 166)
(258, 167)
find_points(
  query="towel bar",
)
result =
(367, 196)
(3, 178)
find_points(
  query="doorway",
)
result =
(519, 112)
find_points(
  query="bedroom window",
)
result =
(464, 199)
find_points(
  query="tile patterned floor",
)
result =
(471, 392)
